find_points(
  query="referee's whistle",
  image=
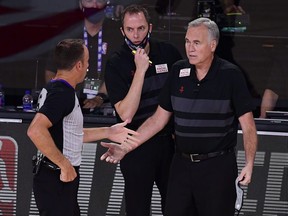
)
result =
(134, 52)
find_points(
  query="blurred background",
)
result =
(255, 38)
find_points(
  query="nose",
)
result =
(191, 47)
(135, 34)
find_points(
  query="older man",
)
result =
(208, 97)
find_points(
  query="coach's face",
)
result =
(135, 27)
(199, 46)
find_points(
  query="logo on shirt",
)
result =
(181, 90)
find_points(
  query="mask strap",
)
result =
(143, 43)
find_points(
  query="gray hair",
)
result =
(213, 30)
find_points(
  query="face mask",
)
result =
(141, 45)
(94, 15)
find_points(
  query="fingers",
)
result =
(68, 177)
(133, 136)
(127, 121)
(108, 158)
(120, 127)
(245, 177)
(104, 156)
(131, 132)
(114, 154)
(129, 144)
(122, 124)
(245, 181)
(140, 51)
(64, 178)
(141, 59)
(107, 155)
(107, 145)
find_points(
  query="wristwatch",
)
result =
(102, 96)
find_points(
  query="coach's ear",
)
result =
(122, 31)
(213, 45)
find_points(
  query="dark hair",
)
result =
(68, 52)
(134, 9)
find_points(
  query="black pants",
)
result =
(202, 189)
(141, 168)
(54, 197)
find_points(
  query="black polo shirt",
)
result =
(120, 71)
(206, 112)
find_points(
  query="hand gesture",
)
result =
(245, 175)
(118, 133)
(141, 60)
(125, 137)
(115, 151)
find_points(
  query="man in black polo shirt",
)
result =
(208, 97)
(133, 84)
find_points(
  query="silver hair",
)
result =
(212, 27)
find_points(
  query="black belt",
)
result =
(201, 157)
(50, 165)
(53, 166)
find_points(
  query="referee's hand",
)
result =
(93, 102)
(68, 172)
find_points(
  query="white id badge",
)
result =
(185, 72)
(161, 68)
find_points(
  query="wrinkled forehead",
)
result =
(135, 19)
(196, 32)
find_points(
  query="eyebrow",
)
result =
(142, 26)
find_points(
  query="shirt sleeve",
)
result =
(57, 105)
(241, 96)
(117, 82)
(165, 94)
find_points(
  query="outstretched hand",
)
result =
(126, 141)
(120, 134)
(114, 153)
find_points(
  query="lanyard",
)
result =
(99, 50)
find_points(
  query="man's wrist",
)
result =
(99, 98)
(102, 96)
